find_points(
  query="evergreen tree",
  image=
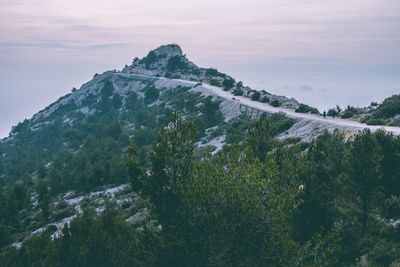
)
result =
(324, 164)
(137, 174)
(44, 199)
(260, 138)
(365, 174)
(171, 161)
(390, 164)
(234, 213)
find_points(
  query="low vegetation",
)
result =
(261, 202)
(303, 108)
(387, 113)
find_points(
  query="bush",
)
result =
(228, 83)
(238, 92)
(256, 96)
(265, 99)
(385, 112)
(395, 122)
(389, 108)
(63, 210)
(349, 112)
(276, 103)
(214, 72)
(107, 89)
(306, 109)
(151, 94)
(235, 132)
(214, 82)
(281, 122)
(117, 100)
(150, 59)
(176, 63)
(374, 121)
(332, 112)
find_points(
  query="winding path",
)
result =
(292, 114)
(289, 112)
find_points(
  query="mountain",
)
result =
(131, 105)
(122, 105)
(72, 155)
(78, 144)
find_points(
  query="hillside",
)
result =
(386, 113)
(131, 107)
(165, 163)
(79, 143)
(119, 106)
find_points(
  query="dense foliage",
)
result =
(176, 63)
(90, 240)
(306, 109)
(262, 202)
(387, 113)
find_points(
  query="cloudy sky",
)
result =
(321, 52)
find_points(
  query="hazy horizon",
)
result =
(322, 53)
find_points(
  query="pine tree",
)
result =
(365, 174)
(260, 138)
(137, 174)
(324, 163)
(44, 199)
(171, 161)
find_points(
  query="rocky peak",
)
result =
(166, 60)
(168, 51)
(170, 62)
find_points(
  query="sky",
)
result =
(321, 52)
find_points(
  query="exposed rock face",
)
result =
(167, 60)
(169, 51)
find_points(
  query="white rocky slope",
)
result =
(307, 127)
(157, 66)
(335, 122)
(169, 61)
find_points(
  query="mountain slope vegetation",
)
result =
(387, 113)
(131, 170)
(297, 204)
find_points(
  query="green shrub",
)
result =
(151, 94)
(214, 82)
(256, 96)
(63, 210)
(332, 112)
(395, 122)
(228, 83)
(176, 63)
(389, 107)
(349, 112)
(373, 121)
(238, 92)
(306, 109)
(276, 103)
(150, 59)
(214, 72)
